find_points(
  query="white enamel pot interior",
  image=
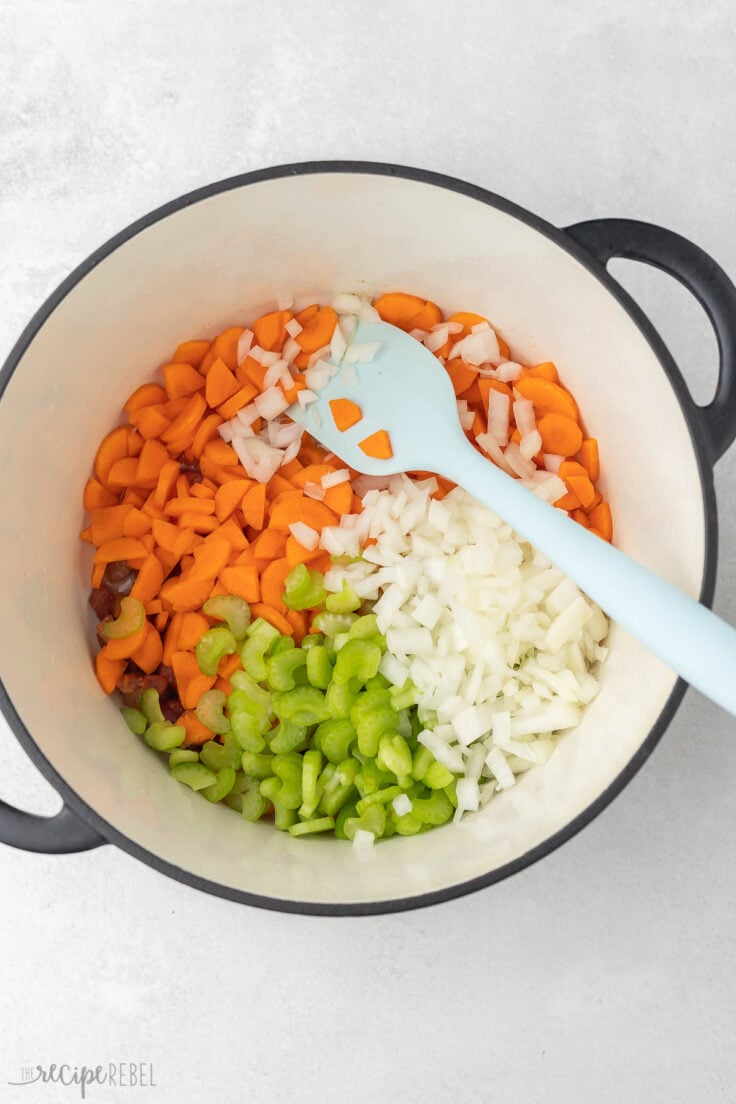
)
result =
(222, 256)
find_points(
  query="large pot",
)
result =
(224, 253)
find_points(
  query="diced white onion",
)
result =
(334, 479)
(307, 537)
(271, 403)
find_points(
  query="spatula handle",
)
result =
(686, 635)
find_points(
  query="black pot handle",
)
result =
(688, 263)
(56, 835)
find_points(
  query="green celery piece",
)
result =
(333, 623)
(348, 811)
(230, 608)
(339, 787)
(210, 711)
(312, 765)
(437, 776)
(357, 659)
(131, 620)
(335, 737)
(283, 817)
(378, 797)
(242, 681)
(372, 820)
(216, 756)
(150, 706)
(281, 644)
(257, 765)
(252, 656)
(319, 667)
(378, 682)
(341, 698)
(309, 827)
(136, 721)
(394, 754)
(261, 627)
(364, 627)
(212, 647)
(304, 589)
(222, 787)
(407, 825)
(344, 601)
(287, 736)
(404, 697)
(288, 768)
(163, 736)
(433, 810)
(305, 705)
(280, 668)
(194, 775)
(182, 755)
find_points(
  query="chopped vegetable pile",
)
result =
(343, 653)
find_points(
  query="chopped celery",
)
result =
(437, 776)
(252, 655)
(305, 705)
(378, 797)
(338, 787)
(313, 640)
(131, 620)
(379, 682)
(405, 696)
(230, 608)
(335, 737)
(372, 820)
(164, 736)
(241, 680)
(287, 736)
(312, 764)
(212, 647)
(210, 711)
(436, 809)
(283, 817)
(257, 766)
(136, 721)
(345, 813)
(319, 667)
(194, 775)
(150, 705)
(261, 627)
(182, 755)
(288, 768)
(345, 601)
(304, 588)
(363, 627)
(394, 754)
(216, 756)
(333, 623)
(281, 644)
(358, 659)
(407, 825)
(341, 698)
(309, 827)
(280, 668)
(222, 787)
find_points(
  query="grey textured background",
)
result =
(605, 973)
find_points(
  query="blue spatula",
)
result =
(405, 390)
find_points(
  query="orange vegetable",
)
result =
(274, 617)
(242, 581)
(547, 371)
(581, 486)
(251, 371)
(299, 623)
(345, 413)
(273, 583)
(548, 398)
(196, 732)
(600, 519)
(219, 452)
(191, 352)
(318, 330)
(378, 445)
(181, 379)
(107, 523)
(96, 496)
(114, 447)
(122, 548)
(399, 308)
(209, 559)
(236, 402)
(108, 670)
(339, 498)
(569, 501)
(229, 664)
(229, 496)
(175, 507)
(166, 482)
(485, 387)
(151, 422)
(148, 656)
(206, 431)
(190, 682)
(581, 518)
(462, 375)
(254, 506)
(305, 316)
(126, 645)
(148, 581)
(589, 458)
(186, 594)
(136, 523)
(149, 394)
(224, 347)
(270, 544)
(296, 553)
(312, 473)
(150, 462)
(86, 534)
(192, 628)
(269, 330)
(560, 435)
(298, 507)
(430, 315)
(220, 384)
(186, 422)
(276, 486)
(231, 532)
(467, 320)
(123, 473)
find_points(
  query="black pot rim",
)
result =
(700, 448)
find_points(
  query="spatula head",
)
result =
(403, 390)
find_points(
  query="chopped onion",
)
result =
(317, 378)
(524, 417)
(552, 462)
(293, 328)
(257, 353)
(509, 371)
(259, 459)
(226, 431)
(338, 345)
(307, 537)
(477, 348)
(402, 804)
(368, 312)
(273, 373)
(519, 464)
(291, 348)
(499, 406)
(362, 352)
(271, 403)
(244, 343)
(436, 339)
(247, 415)
(334, 479)
(530, 444)
(315, 491)
(347, 303)
(318, 355)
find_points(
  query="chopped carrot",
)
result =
(186, 594)
(600, 519)
(254, 506)
(560, 435)
(96, 496)
(114, 447)
(107, 523)
(378, 445)
(125, 646)
(219, 452)
(224, 347)
(291, 469)
(207, 431)
(236, 402)
(135, 442)
(151, 422)
(485, 386)
(192, 628)
(251, 371)
(229, 496)
(181, 379)
(461, 374)
(191, 352)
(269, 330)
(548, 398)
(298, 621)
(148, 581)
(467, 320)
(229, 665)
(133, 497)
(242, 581)
(312, 473)
(108, 671)
(318, 331)
(277, 485)
(273, 582)
(581, 486)
(305, 316)
(148, 394)
(209, 559)
(220, 383)
(175, 507)
(136, 523)
(274, 617)
(148, 656)
(399, 308)
(200, 523)
(581, 518)
(122, 548)
(340, 498)
(296, 553)
(150, 462)
(86, 534)
(231, 532)
(98, 573)
(196, 732)
(589, 458)
(202, 490)
(300, 508)
(270, 544)
(161, 620)
(345, 413)
(569, 501)
(186, 422)
(166, 482)
(430, 315)
(190, 682)
(123, 473)
(547, 370)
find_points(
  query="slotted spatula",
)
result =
(405, 391)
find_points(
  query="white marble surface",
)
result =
(604, 973)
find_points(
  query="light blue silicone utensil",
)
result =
(405, 391)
